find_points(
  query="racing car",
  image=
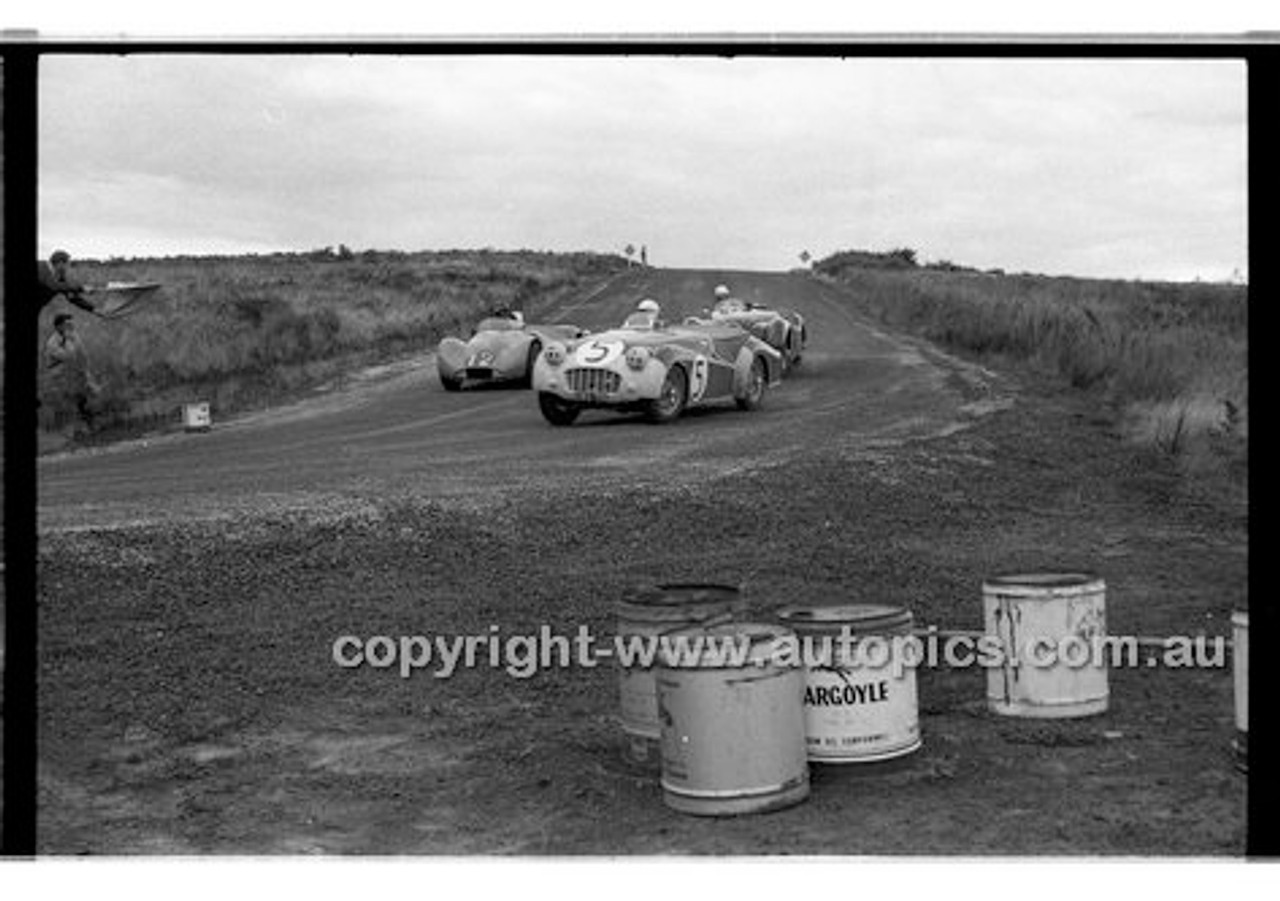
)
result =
(784, 330)
(650, 367)
(502, 349)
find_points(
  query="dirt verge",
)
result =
(190, 703)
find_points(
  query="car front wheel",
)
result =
(757, 384)
(557, 410)
(795, 348)
(534, 350)
(671, 398)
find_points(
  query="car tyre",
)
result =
(535, 349)
(556, 410)
(451, 384)
(797, 347)
(757, 386)
(671, 398)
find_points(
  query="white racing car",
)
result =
(659, 370)
(502, 349)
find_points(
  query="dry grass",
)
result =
(240, 330)
(1173, 358)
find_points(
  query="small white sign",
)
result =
(196, 418)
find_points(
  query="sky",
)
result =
(1108, 168)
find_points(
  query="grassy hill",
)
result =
(243, 331)
(1172, 358)
(248, 330)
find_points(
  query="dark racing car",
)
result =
(783, 330)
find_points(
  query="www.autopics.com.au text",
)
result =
(521, 656)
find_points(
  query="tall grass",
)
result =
(1172, 357)
(241, 329)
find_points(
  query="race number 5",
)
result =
(598, 353)
(698, 379)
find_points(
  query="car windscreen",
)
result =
(494, 324)
(642, 320)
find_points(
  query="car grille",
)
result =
(479, 373)
(593, 381)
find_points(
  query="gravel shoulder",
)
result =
(189, 702)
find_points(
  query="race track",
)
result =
(192, 587)
(398, 433)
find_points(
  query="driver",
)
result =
(726, 303)
(646, 315)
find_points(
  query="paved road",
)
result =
(397, 433)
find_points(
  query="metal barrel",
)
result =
(860, 699)
(647, 613)
(1049, 627)
(732, 729)
(1240, 667)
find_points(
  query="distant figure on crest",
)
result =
(644, 255)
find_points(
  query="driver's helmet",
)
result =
(722, 291)
(648, 305)
(728, 306)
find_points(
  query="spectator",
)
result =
(70, 384)
(52, 280)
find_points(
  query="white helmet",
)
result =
(648, 305)
(722, 290)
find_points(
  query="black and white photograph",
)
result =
(642, 449)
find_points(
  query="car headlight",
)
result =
(637, 357)
(553, 354)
